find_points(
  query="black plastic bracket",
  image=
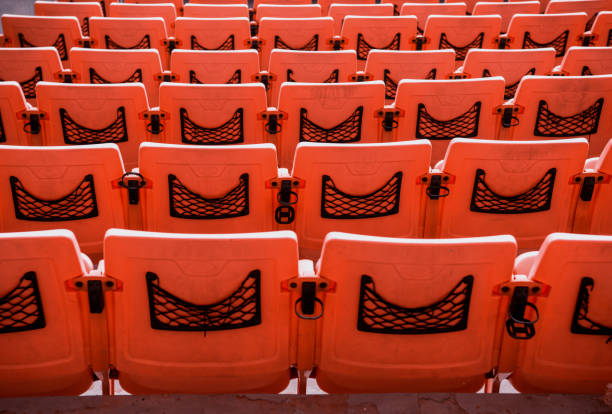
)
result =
(32, 121)
(133, 185)
(273, 121)
(435, 190)
(517, 326)
(389, 123)
(286, 197)
(95, 294)
(588, 186)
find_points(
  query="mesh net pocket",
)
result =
(2, 134)
(549, 124)
(95, 77)
(449, 314)
(609, 42)
(228, 44)
(21, 308)
(363, 47)
(465, 125)
(59, 44)
(79, 204)
(188, 204)
(241, 309)
(391, 85)
(76, 134)
(312, 44)
(332, 78)
(537, 198)
(581, 323)
(589, 24)
(234, 79)
(29, 86)
(461, 51)
(144, 43)
(509, 90)
(230, 132)
(559, 43)
(85, 26)
(382, 202)
(348, 130)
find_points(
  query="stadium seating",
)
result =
(506, 10)
(601, 32)
(288, 11)
(104, 4)
(166, 11)
(189, 66)
(326, 4)
(423, 10)
(82, 11)
(16, 126)
(216, 11)
(191, 2)
(585, 61)
(590, 7)
(339, 11)
(212, 34)
(178, 4)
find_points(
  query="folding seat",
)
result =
(561, 107)
(317, 67)
(211, 66)
(339, 113)
(410, 315)
(216, 11)
(601, 32)
(104, 4)
(14, 127)
(202, 313)
(80, 114)
(512, 65)
(325, 4)
(257, 3)
(601, 219)
(523, 188)
(213, 34)
(586, 61)
(506, 10)
(192, 2)
(393, 66)
(101, 66)
(371, 189)
(339, 11)
(221, 189)
(439, 110)
(166, 11)
(574, 314)
(590, 7)
(423, 10)
(75, 188)
(82, 11)
(288, 11)
(34, 31)
(213, 114)
(178, 4)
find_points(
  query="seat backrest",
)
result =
(506, 10)
(522, 188)
(392, 66)
(427, 318)
(178, 287)
(213, 34)
(423, 10)
(28, 66)
(213, 114)
(178, 4)
(512, 65)
(44, 349)
(80, 114)
(104, 4)
(591, 7)
(602, 29)
(101, 66)
(69, 187)
(257, 3)
(359, 188)
(339, 11)
(191, 2)
(166, 11)
(326, 4)
(287, 11)
(564, 107)
(601, 221)
(220, 189)
(317, 67)
(216, 11)
(585, 61)
(82, 11)
(211, 66)
(331, 113)
(575, 315)
(13, 129)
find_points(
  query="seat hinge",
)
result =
(273, 120)
(133, 182)
(154, 120)
(95, 286)
(337, 42)
(86, 43)
(508, 114)
(389, 117)
(171, 43)
(420, 40)
(459, 75)
(166, 76)
(255, 43)
(67, 76)
(32, 119)
(588, 39)
(307, 288)
(588, 181)
(254, 28)
(503, 42)
(517, 325)
(265, 78)
(361, 77)
(436, 184)
(286, 197)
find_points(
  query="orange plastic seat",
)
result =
(288, 11)
(257, 3)
(13, 129)
(590, 7)
(339, 11)
(522, 188)
(213, 34)
(411, 315)
(219, 67)
(439, 110)
(82, 11)
(81, 114)
(104, 4)
(213, 114)
(585, 61)
(42, 336)
(178, 4)
(46, 188)
(219, 189)
(191, 2)
(371, 189)
(216, 11)
(506, 10)
(317, 67)
(166, 11)
(576, 314)
(103, 66)
(563, 107)
(423, 10)
(601, 219)
(326, 4)
(331, 113)
(393, 66)
(601, 32)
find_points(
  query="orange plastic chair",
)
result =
(562, 107)
(166, 11)
(81, 114)
(288, 11)
(523, 188)
(591, 7)
(601, 32)
(213, 34)
(102, 66)
(339, 11)
(220, 67)
(326, 4)
(371, 189)
(14, 129)
(339, 113)
(506, 10)
(216, 11)
(178, 4)
(423, 10)
(411, 315)
(82, 11)
(257, 3)
(221, 189)
(191, 2)
(586, 61)
(104, 4)
(46, 188)
(213, 114)
(393, 66)
(317, 67)
(575, 314)
(601, 220)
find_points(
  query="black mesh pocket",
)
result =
(95, 77)
(391, 85)
(461, 51)
(2, 134)
(79, 204)
(363, 47)
(581, 323)
(230, 132)
(312, 44)
(509, 90)
(449, 314)
(609, 42)
(465, 125)
(549, 124)
(537, 198)
(59, 44)
(21, 308)
(559, 43)
(144, 43)
(348, 130)
(382, 202)
(234, 79)
(187, 204)
(241, 309)
(85, 26)
(29, 86)
(332, 78)
(76, 134)
(228, 44)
